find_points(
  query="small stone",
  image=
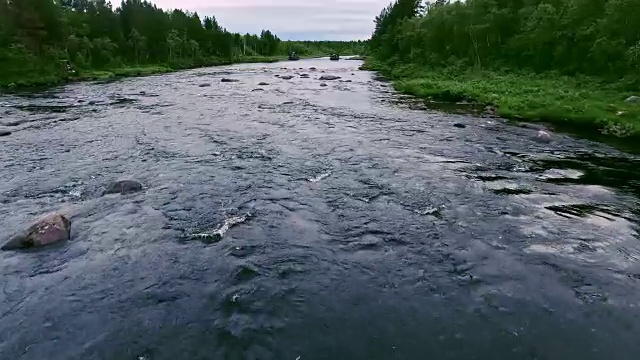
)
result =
(329, 77)
(313, 68)
(48, 230)
(286, 77)
(323, 84)
(123, 187)
(459, 125)
(542, 137)
(304, 75)
(229, 80)
(633, 100)
(263, 84)
(255, 90)
(204, 85)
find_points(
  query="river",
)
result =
(361, 225)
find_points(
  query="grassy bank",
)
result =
(566, 101)
(56, 77)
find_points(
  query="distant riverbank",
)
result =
(130, 71)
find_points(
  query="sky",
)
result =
(289, 19)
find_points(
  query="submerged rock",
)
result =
(313, 68)
(5, 132)
(262, 84)
(204, 85)
(329, 77)
(323, 84)
(49, 230)
(542, 137)
(460, 125)
(123, 187)
(229, 80)
(533, 126)
(217, 234)
(258, 89)
(304, 75)
(286, 77)
(633, 100)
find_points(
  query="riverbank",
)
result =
(581, 102)
(126, 71)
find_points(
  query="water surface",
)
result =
(360, 226)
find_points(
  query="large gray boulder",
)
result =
(50, 229)
(633, 100)
(123, 187)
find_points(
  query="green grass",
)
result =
(578, 101)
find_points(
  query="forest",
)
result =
(555, 60)
(136, 37)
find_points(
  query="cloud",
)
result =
(289, 19)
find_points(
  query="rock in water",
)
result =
(229, 80)
(490, 110)
(538, 127)
(287, 77)
(5, 132)
(304, 75)
(329, 77)
(204, 85)
(323, 84)
(263, 84)
(459, 125)
(543, 137)
(123, 187)
(49, 230)
(313, 68)
(633, 100)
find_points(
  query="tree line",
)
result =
(36, 35)
(591, 37)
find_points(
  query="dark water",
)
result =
(364, 228)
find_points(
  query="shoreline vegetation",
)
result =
(49, 42)
(574, 64)
(589, 103)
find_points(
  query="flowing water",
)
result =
(295, 221)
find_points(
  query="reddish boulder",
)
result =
(49, 230)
